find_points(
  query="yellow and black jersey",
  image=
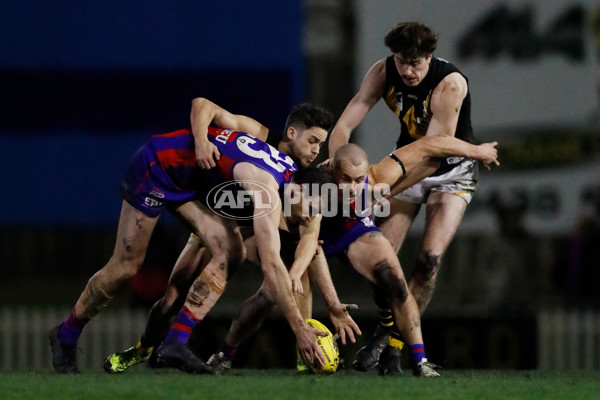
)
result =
(412, 103)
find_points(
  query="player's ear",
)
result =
(291, 133)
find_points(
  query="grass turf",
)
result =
(143, 383)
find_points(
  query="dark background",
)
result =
(84, 84)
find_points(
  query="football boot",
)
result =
(64, 355)
(426, 369)
(368, 356)
(119, 362)
(180, 356)
(218, 363)
(390, 360)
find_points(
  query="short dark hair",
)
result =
(308, 115)
(313, 177)
(411, 39)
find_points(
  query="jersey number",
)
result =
(273, 160)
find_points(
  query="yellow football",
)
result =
(328, 347)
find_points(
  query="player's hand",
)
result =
(206, 154)
(489, 154)
(306, 342)
(326, 164)
(343, 322)
(297, 284)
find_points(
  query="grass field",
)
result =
(143, 383)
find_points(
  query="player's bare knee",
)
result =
(127, 264)
(220, 267)
(265, 298)
(390, 280)
(265, 295)
(428, 265)
(129, 271)
(260, 302)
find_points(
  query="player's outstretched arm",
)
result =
(204, 113)
(449, 146)
(420, 159)
(305, 251)
(279, 284)
(360, 105)
(276, 276)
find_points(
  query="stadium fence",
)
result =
(567, 339)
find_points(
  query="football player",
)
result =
(368, 251)
(165, 174)
(430, 97)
